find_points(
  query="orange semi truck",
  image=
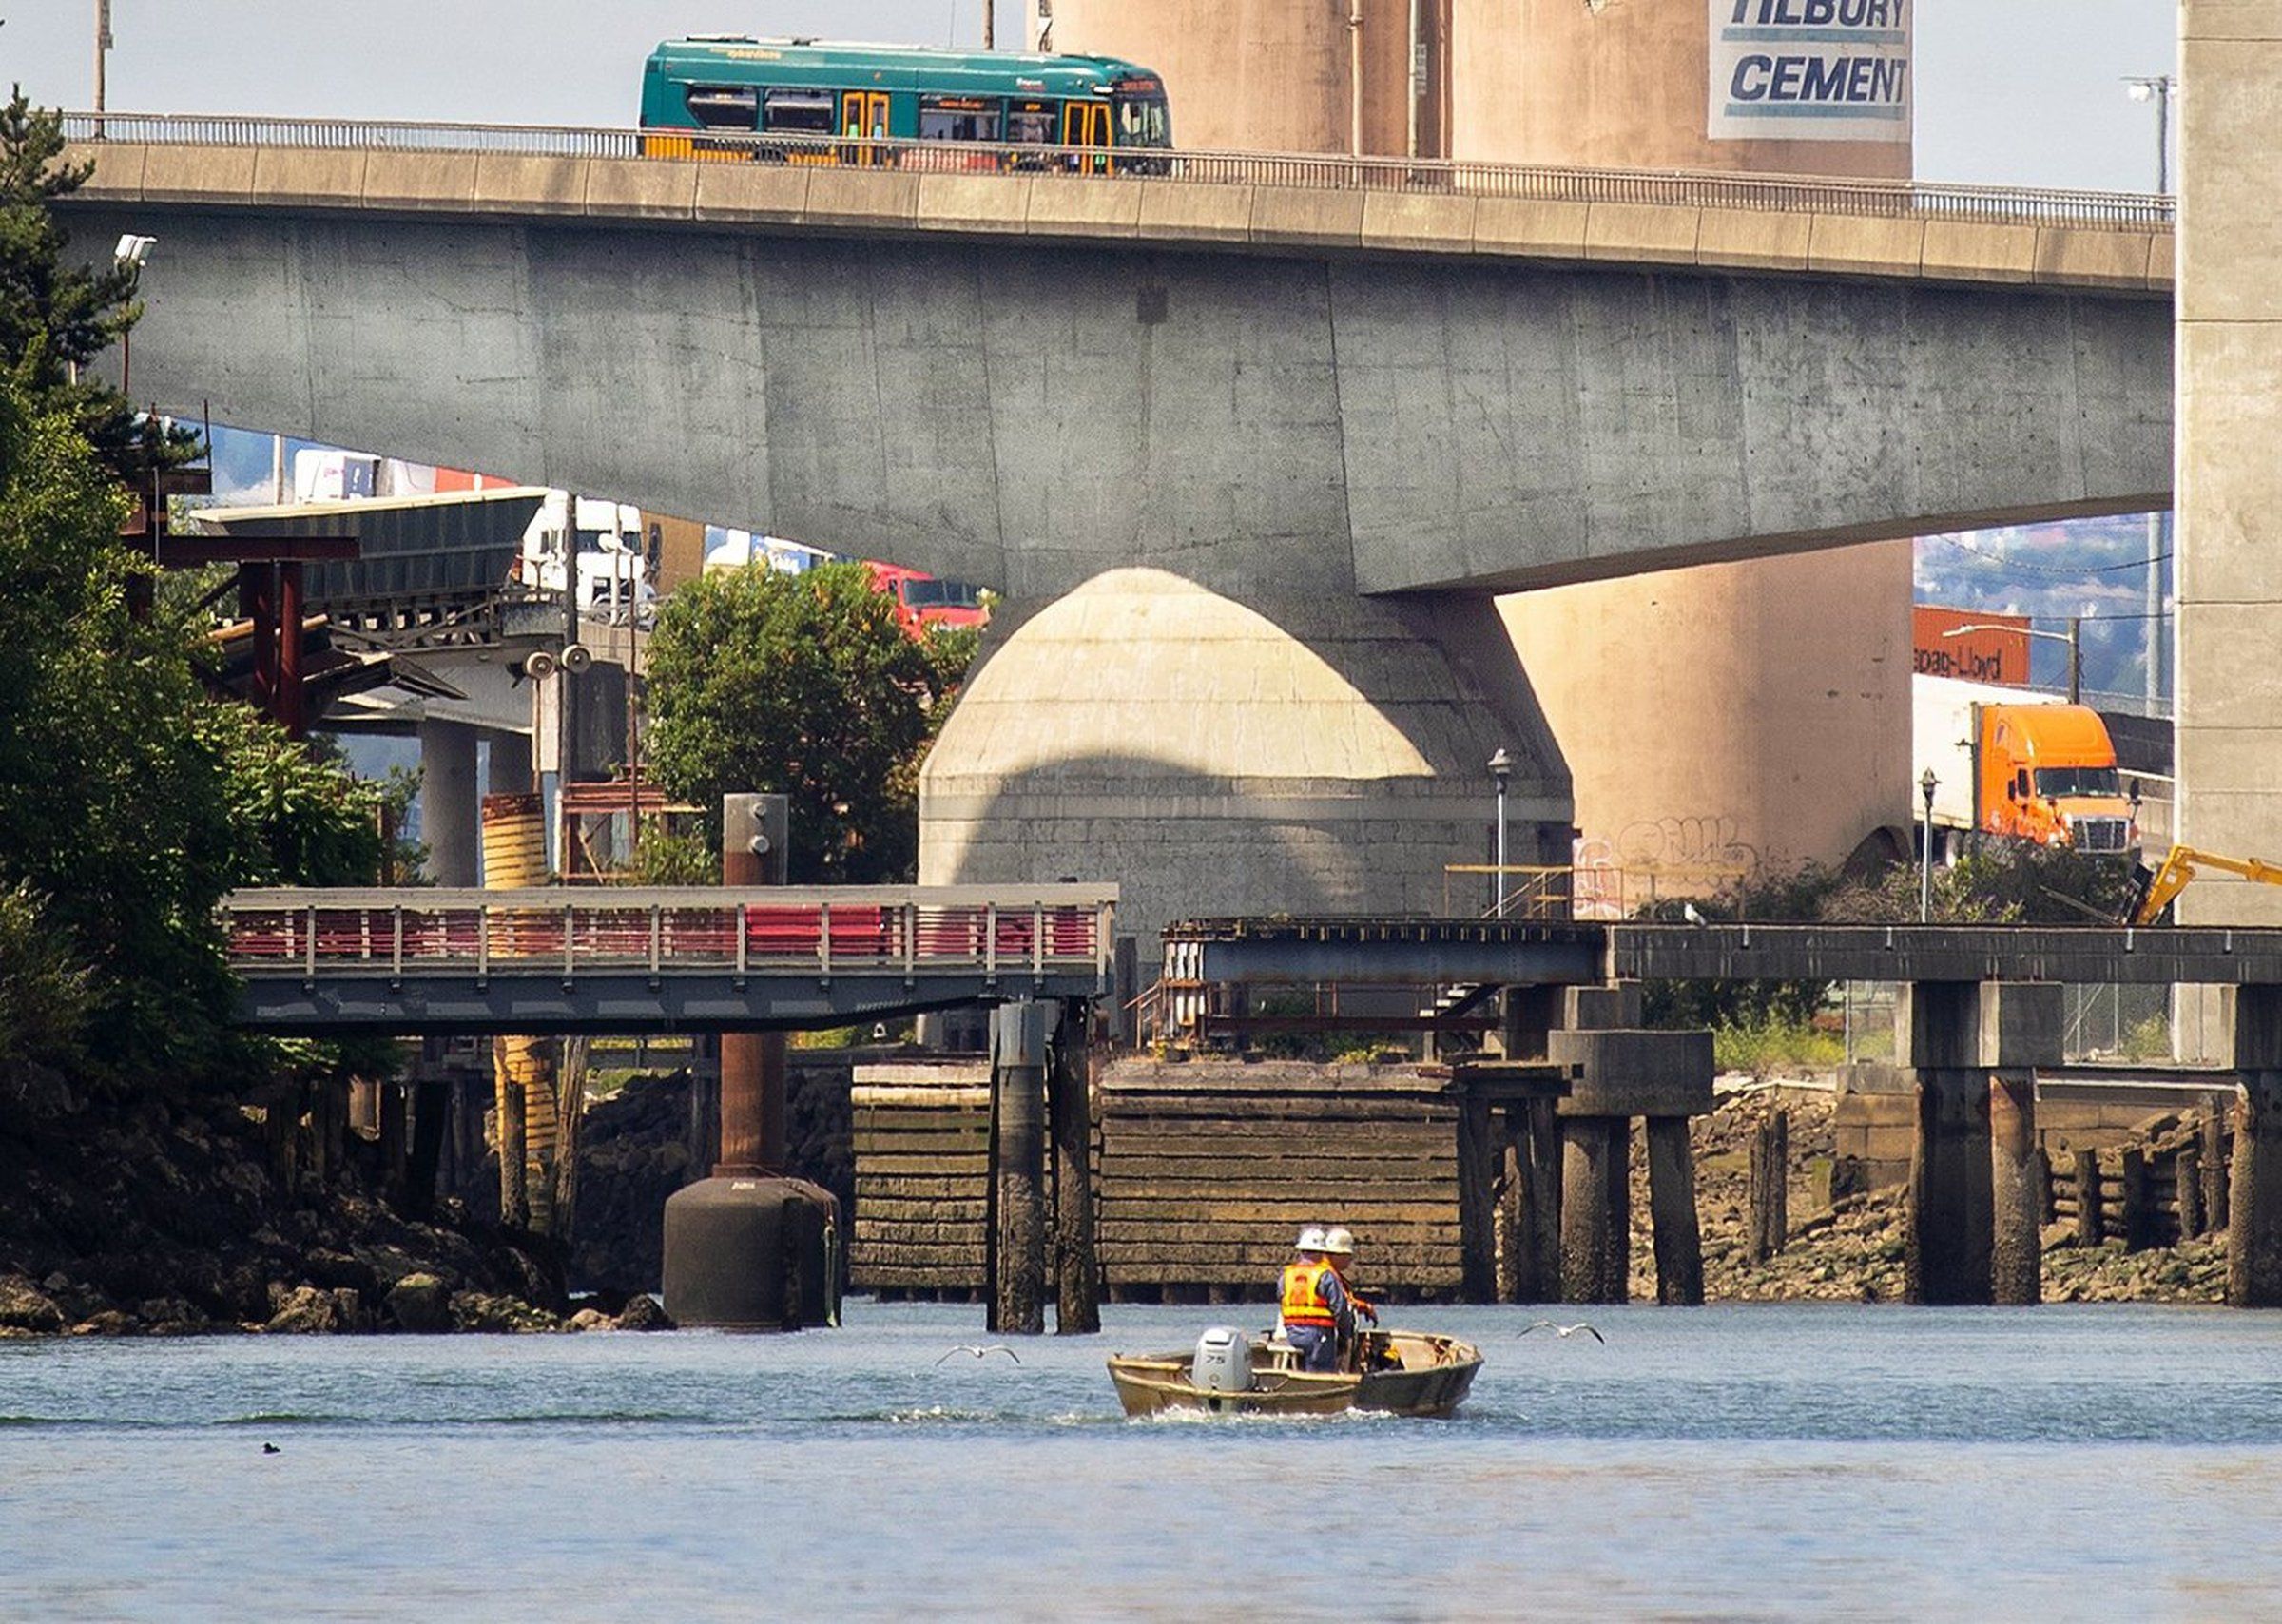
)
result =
(2013, 762)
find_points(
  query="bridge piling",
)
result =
(1679, 1236)
(1975, 1047)
(2254, 1202)
(1595, 1209)
(1019, 1066)
(1070, 1106)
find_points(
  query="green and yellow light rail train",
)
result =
(725, 98)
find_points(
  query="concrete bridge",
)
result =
(1248, 445)
(1376, 376)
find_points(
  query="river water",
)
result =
(1795, 1462)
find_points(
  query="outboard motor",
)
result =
(1224, 1361)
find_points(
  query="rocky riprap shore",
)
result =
(1852, 1249)
(163, 1217)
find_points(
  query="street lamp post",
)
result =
(131, 252)
(2073, 637)
(1502, 767)
(1926, 788)
(2157, 88)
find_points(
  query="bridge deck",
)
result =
(576, 959)
(1427, 952)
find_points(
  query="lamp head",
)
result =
(132, 251)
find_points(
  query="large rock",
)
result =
(421, 1303)
(480, 1311)
(644, 1314)
(23, 1307)
(304, 1310)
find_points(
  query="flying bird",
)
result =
(980, 1352)
(1566, 1330)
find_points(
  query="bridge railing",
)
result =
(844, 930)
(1306, 171)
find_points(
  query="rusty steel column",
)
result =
(1017, 1169)
(2254, 1201)
(755, 830)
(291, 708)
(1077, 1271)
(2017, 1180)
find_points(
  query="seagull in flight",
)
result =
(1566, 1331)
(981, 1352)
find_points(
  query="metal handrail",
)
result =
(1306, 171)
(895, 930)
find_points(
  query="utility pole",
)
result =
(990, 25)
(2154, 611)
(102, 46)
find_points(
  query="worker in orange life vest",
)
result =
(1338, 1252)
(1316, 1314)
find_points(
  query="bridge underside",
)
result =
(1029, 415)
(1134, 442)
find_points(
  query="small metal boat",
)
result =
(1407, 1373)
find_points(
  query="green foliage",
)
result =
(669, 855)
(805, 685)
(43, 997)
(1767, 1047)
(128, 801)
(56, 317)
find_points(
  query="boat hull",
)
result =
(1432, 1377)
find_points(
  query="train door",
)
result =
(1086, 124)
(863, 117)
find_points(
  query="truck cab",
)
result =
(2047, 773)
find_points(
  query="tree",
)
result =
(805, 686)
(56, 318)
(129, 802)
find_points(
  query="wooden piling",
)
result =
(2214, 1128)
(1679, 1241)
(1542, 1212)
(1769, 1192)
(395, 1141)
(1479, 1167)
(2016, 1193)
(1070, 1106)
(514, 1197)
(2137, 1221)
(430, 1115)
(2084, 1176)
(1018, 1065)
(2187, 1182)
(1513, 1219)
(1595, 1209)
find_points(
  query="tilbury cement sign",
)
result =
(1810, 70)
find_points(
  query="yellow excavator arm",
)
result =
(2182, 864)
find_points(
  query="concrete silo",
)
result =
(1730, 715)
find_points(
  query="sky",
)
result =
(2010, 93)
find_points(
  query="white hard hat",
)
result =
(1339, 1242)
(1311, 1240)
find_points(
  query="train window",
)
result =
(959, 118)
(723, 107)
(799, 112)
(1141, 121)
(1031, 123)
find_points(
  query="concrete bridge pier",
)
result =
(449, 822)
(1624, 1073)
(2254, 1202)
(1218, 749)
(1972, 1208)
